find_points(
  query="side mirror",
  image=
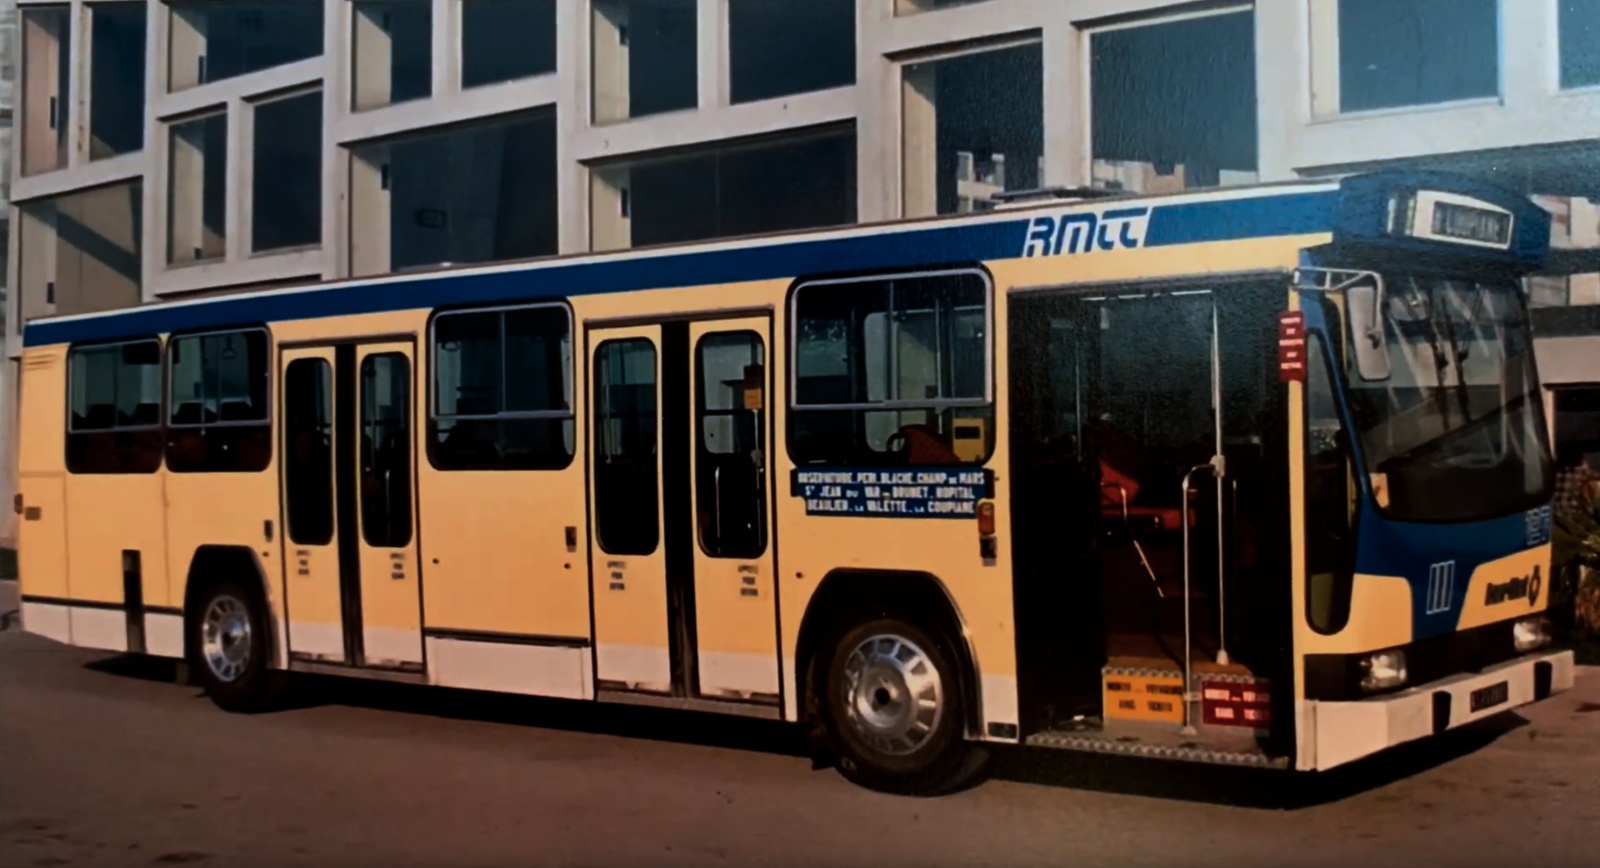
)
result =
(1365, 310)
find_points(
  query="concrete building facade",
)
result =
(170, 148)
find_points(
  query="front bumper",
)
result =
(1335, 733)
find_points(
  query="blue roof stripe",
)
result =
(1270, 214)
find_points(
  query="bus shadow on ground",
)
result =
(1164, 779)
(1269, 789)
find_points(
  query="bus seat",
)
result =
(1118, 491)
(189, 413)
(99, 417)
(146, 414)
(924, 445)
(237, 411)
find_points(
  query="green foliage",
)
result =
(1576, 534)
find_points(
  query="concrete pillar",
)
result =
(1066, 116)
(369, 202)
(372, 61)
(44, 40)
(611, 221)
(919, 139)
(191, 239)
(1323, 26)
(711, 44)
(572, 117)
(878, 174)
(187, 45)
(610, 70)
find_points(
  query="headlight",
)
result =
(1383, 670)
(1530, 633)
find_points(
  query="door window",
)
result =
(730, 488)
(626, 514)
(308, 450)
(386, 450)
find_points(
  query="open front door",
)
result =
(353, 588)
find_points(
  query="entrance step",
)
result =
(1148, 690)
(1158, 743)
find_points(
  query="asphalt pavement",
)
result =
(107, 760)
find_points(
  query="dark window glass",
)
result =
(730, 469)
(503, 40)
(1417, 52)
(228, 38)
(217, 403)
(116, 79)
(392, 48)
(625, 434)
(386, 450)
(782, 47)
(308, 450)
(892, 371)
(1580, 43)
(502, 390)
(1174, 104)
(286, 174)
(1330, 501)
(115, 397)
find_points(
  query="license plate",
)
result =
(1489, 697)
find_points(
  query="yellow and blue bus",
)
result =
(1254, 476)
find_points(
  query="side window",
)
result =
(115, 400)
(217, 414)
(308, 450)
(502, 395)
(627, 520)
(386, 450)
(1330, 500)
(730, 465)
(893, 371)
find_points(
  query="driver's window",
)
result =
(1330, 499)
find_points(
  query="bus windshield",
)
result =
(1454, 433)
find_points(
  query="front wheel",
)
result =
(893, 709)
(228, 648)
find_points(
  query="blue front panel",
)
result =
(1438, 560)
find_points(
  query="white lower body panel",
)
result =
(1336, 733)
(736, 674)
(537, 670)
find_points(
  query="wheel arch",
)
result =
(917, 594)
(212, 562)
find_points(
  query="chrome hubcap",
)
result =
(893, 696)
(225, 638)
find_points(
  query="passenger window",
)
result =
(625, 463)
(1330, 500)
(502, 390)
(217, 404)
(730, 468)
(308, 450)
(115, 397)
(893, 370)
(386, 450)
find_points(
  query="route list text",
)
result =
(891, 493)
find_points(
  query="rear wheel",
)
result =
(892, 706)
(228, 647)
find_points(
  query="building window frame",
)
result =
(1326, 76)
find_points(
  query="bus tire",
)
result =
(228, 647)
(892, 707)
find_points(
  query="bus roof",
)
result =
(1343, 206)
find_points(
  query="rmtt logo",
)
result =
(1525, 587)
